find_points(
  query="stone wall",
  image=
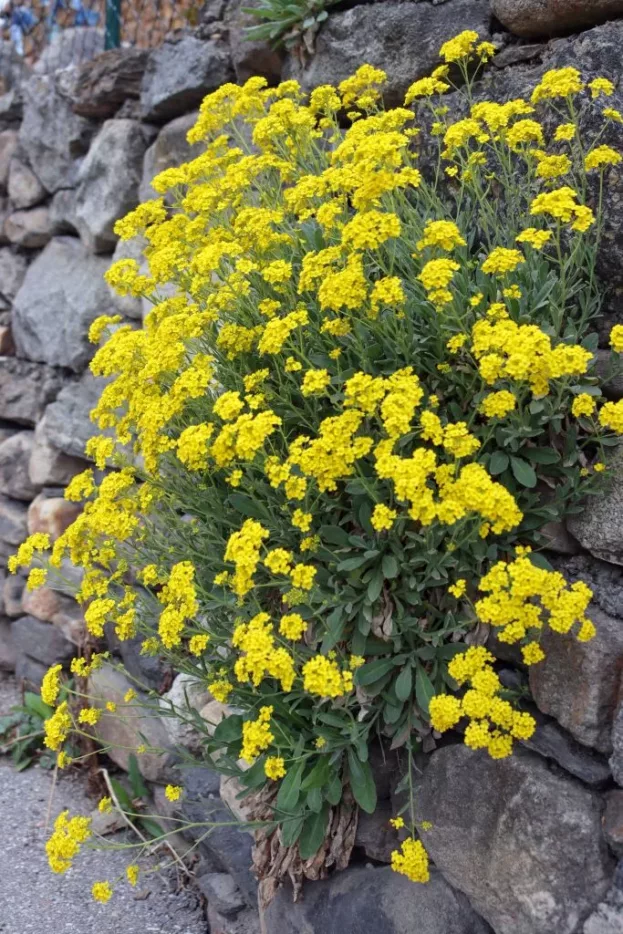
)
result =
(526, 846)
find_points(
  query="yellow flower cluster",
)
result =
(493, 724)
(260, 657)
(64, 844)
(256, 735)
(411, 861)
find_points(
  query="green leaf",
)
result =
(152, 827)
(247, 506)
(362, 783)
(314, 799)
(313, 833)
(34, 704)
(404, 683)
(290, 789)
(229, 730)
(541, 455)
(372, 671)
(375, 586)
(333, 791)
(125, 802)
(291, 830)
(424, 689)
(318, 775)
(498, 463)
(139, 789)
(390, 567)
(334, 535)
(523, 472)
(351, 564)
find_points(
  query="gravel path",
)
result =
(33, 899)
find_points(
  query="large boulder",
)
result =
(180, 73)
(129, 726)
(41, 641)
(12, 272)
(30, 230)
(171, 148)
(599, 528)
(250, 56)
(108, 182)
(532, 18)
(616, 761)
(51, 515)
(578, 683)
(47, 465)
(608, 916)
(401, 38)
(63, 292)
(13, 521)
(551, 741)
(8, 147)
(26, 388)
(98, 88)
(186, 697)
(25, 189)
(52, 136)
(522, 842)
(378, 900)
(14, 459)
(66, 425)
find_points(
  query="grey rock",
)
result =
(29, 673)
(13, 69)
(108, 182)
(379, 900)
(11, 108)
(599, 528)
(532, 18)
(524, 844)
(12, 590)
(51, 513)
(180, 74)
(151, 671)
(25, 388)
(611, 379)
(52, 136)
(41, 641)
(8, 655)
(63, 212)
(12, 272)
(8, 147)
(227, 848)
(13, 520)
(616, 761)
(70, 47)
(122, 734)
(613, 821)
(47, 465)
(551, 741)
(14, 458)
(170, 149)
(401, 38)
(63, 292)
(578, 682)
(186, 695)
(67, 426)
(250, 56)
(25, 189)
(99, 87)
(30, 230)
(222, 892)
(557, 538)
(605, 580)
(608, 916)
(375, 835)
(245, 922)
(129, 305)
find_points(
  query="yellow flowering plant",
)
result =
(338, 438)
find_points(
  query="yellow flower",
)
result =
(601, 156)
(274, 768)
(532, 653)
(599, 86)
(132, 874)
(583, 404)
(102, 892)
(315, 382)
(458, 589)
(460, 47)
(292, 626)
(382, 517)
(397, 822)
(173, 792)
(51, 684)
(105, 805)
(564, 132)
(501, 260)
(411, 861)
